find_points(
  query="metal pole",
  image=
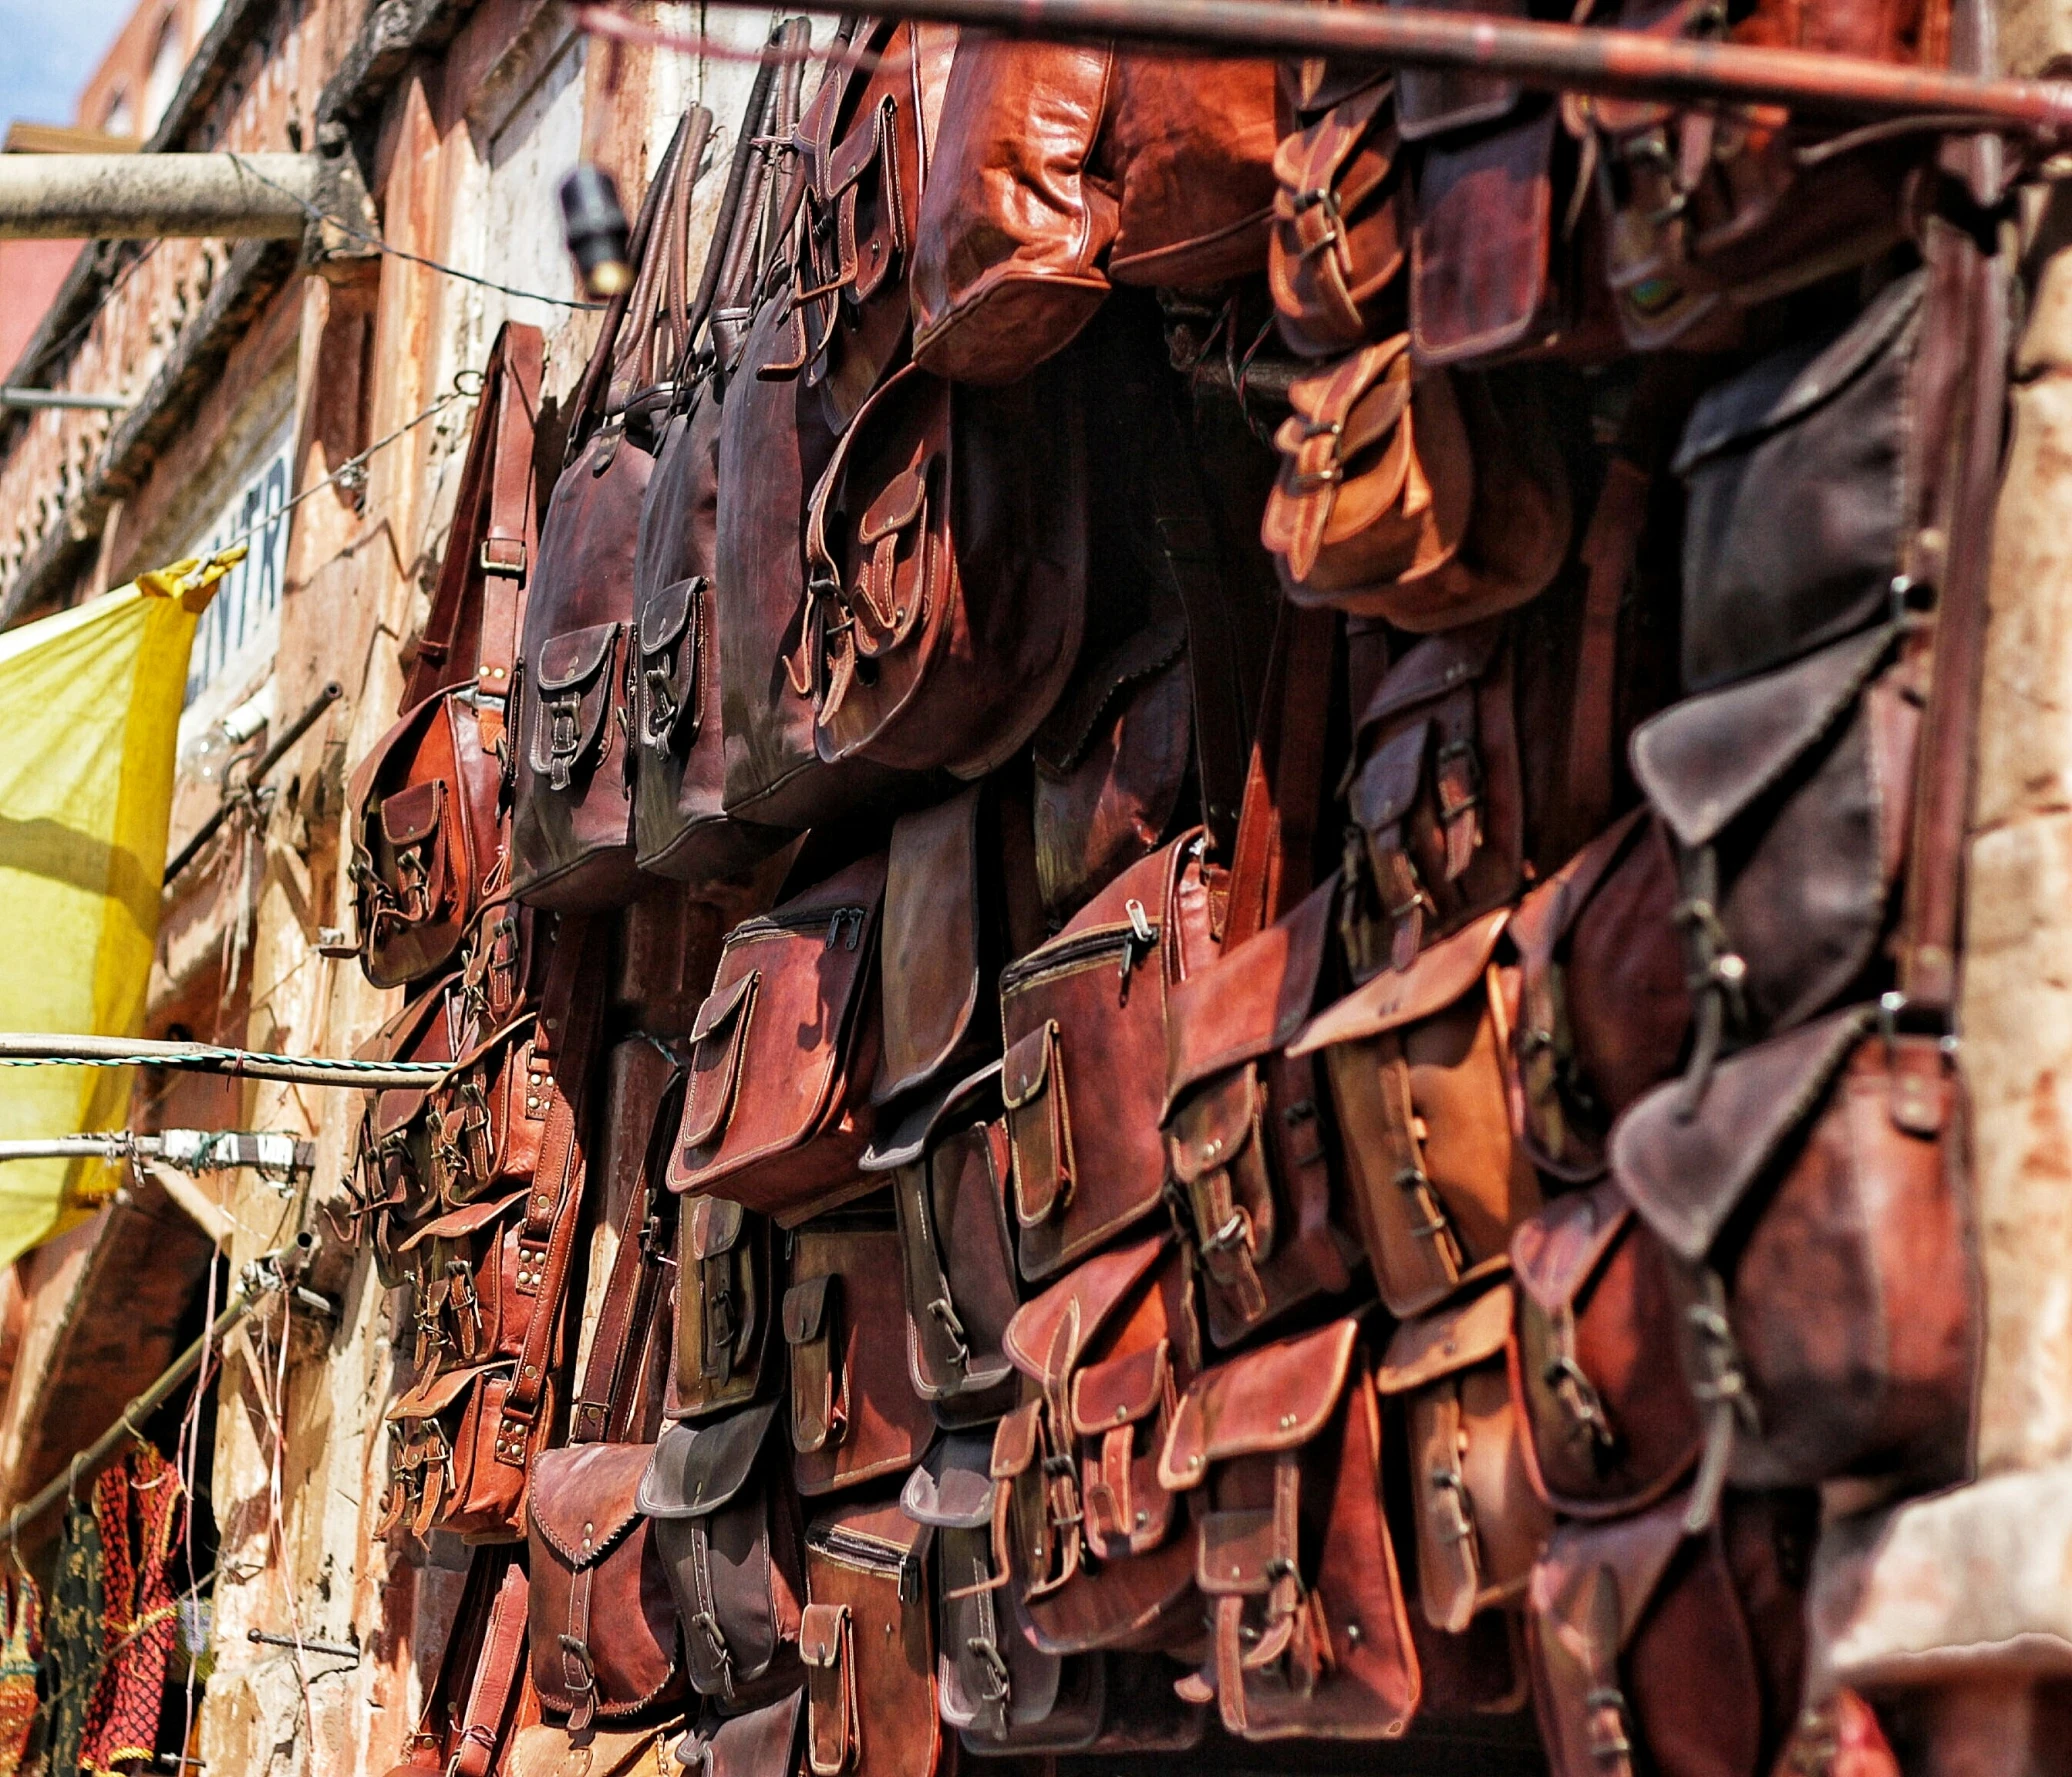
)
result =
(1572, 58)
(191, 1150)
(144, 196)
(19, 1048)
(64, 398)
(273, 755)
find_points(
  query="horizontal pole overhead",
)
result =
(153, 196)
(38, 1049)
(64, 398)
(191, 1150)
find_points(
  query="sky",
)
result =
(52, 46)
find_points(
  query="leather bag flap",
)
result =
(932, 943)
(1431, 669)
(1252, 1000)
(806, 1306)
(953, 1488)
(458, 1224)
(1441, 1344)
(716, 1225)
(412, 814)
(1279, 1397)
(1633, 1552)
(899, 503)
(1441, 975)
(1123, 1391)
(1077, 1307)
(584, 1500)
(752, 1745)
(1015, 1442)
(566, 661)
(1210, 1130)
(718, 1036)
(1025, 1070)
(1556, 1252)
(1686, 1177)
(975, 1099)
(1386, 786)
(665, 614)
(820, 1634)
(1239, 1552)
(434, 1395)
(1706, 759)
(697, 1469)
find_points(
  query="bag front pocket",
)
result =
(1032, 1087)
(573, 683)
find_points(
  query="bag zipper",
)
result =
(837, 921)
(1132, 940)
(867, 1554)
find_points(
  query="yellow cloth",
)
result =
(89, 717)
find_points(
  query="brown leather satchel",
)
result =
(1309, 1633)
(1059, 168)
(1479, 1526)
(952, 1191)
(1083, 1019)
(1340, 228)
(854, 1414)
(867, 1638)
(1093, 1539)
(425, 831)
(724, 1307)
(1418, 1061)
(1830, 1308)
(1655, 1650)
(726, 1527)
(572, 840)
(1432, 501)
(946, 572)
(777, 1107)
(1611, 1423)
(462, 1735)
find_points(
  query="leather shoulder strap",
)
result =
(495, 1684)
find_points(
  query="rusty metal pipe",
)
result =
(146, 196)
(1571, 58)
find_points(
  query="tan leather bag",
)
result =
(1340, 230)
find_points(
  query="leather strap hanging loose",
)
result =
(496, 1679)
(622, 1348)
(485, 1648)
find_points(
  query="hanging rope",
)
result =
(35, 1049)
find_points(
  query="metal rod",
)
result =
(266, 1638)
(149, 196)
(191, 1150)
(64, 398)
(1576, 58)
(23, 1048)
(273, 755)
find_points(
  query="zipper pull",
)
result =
(1137, 943)
(852, 919)
(834, 927)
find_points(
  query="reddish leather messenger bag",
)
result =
(1340, 228)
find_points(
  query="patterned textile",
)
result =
(134, 1504)
(23, 1630)
(77, 1647)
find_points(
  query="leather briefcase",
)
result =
(725, 1305)
(1340, 227)
(1418, 1062)
(1656, 1650)
(726, 1528)
(1479, 1526)
(1295, 1558)
(853, 1412)
(1083, 1019)
(1610, 1422)
(1830, 1306)
(777, 1106)
(946, 572)
(952, 1192)
(868, 1640)
(1096, 1543)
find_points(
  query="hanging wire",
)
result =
(375, 241)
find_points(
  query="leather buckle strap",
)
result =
(503, 555)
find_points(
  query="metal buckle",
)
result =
(514, 566)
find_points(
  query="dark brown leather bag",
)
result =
(777, 1108)
(1479, 1526)
(1610, 1420)
(1340, 226)
(572, 773)
(952, 1190)
(725, 1306)
(946, 572)
(425, 831)
(1418, 1062)
(854, 1415)
(1654, 1650)
(1830, 1307)
(1309, 1633)
(726, 1527)
(1083, 1020)
(1095, 1542)
(867, 1637)
(765, 1742)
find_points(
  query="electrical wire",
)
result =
(375, 241)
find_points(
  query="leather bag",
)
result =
(867, 1637)
(854, 1415)
(946, 572)
(1655, 1650)
(726, 1527)
(1083, 1022)
(1610, 1420)
(1340, 226)
(777, 1105)
(1283, 1449)
(765, 1742)
(425, 830)
(1830, 1308)
(724, 1307)
(1479, 1526)
(1095, 1541)
(474, 1700)
(952, 1191)
(1418, 1062)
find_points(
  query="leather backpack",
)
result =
(1282, 1448)
(1095, 1542)
(572, 776)
(777, 1126)
(725, 1524)
(867, 1637)
(1658, 1650)
(425, 829)
(854, 1415)
(1083, 1022)
(1340, 224)
(1060, 168)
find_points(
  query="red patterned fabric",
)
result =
(24, 1611)
(134, 1505)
